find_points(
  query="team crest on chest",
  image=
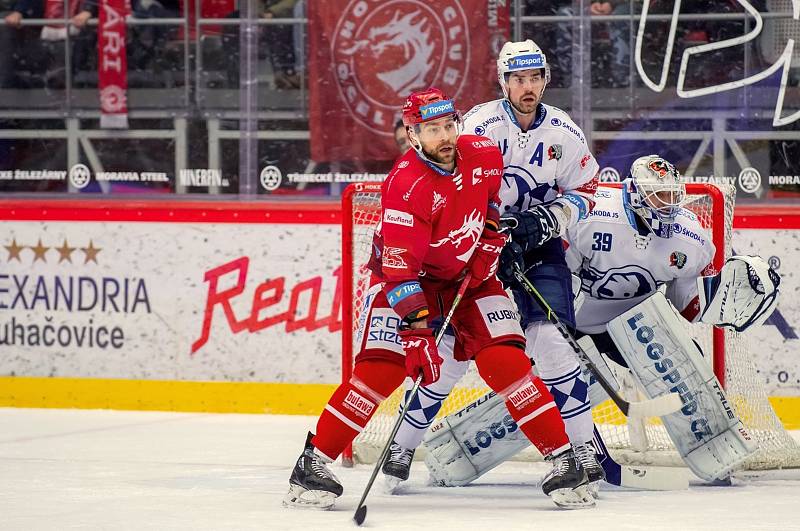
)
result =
(677, 259)
(555, 151)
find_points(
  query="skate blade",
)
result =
(594, 489)
(300, 498)
(391, 484)
(577, 498)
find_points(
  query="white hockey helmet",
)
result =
(655, 190)
(522, 55)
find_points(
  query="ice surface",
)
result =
(115, 470)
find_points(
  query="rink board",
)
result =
(229, 307)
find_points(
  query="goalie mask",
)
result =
(655, 192)
(523, 55)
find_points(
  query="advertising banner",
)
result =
(366, 56)
(232, 295)
(170, 301)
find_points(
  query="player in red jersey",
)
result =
(440, 219)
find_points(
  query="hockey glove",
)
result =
(486, 256)
(512, 254)
(421, 354)
(531, 228)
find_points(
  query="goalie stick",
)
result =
(637, 477)
(361, 510)
(654, 407)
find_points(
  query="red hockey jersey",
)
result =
(431, 219)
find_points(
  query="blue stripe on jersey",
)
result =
(562, 379)
(541, 112)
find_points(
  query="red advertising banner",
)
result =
(113, 67)
(366, 56)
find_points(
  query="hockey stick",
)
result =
(361, 510)
(637, 477)
(654, 407)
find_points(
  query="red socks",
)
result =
(353, 404)
(507, 370)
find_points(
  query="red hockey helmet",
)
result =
(427, 105)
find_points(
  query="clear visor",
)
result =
(666, 200)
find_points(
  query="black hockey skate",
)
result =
(397, 466)
(567, 483)
(311, 484)
(594, 470)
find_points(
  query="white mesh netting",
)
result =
(641, 441)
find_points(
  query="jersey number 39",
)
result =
(602, 241)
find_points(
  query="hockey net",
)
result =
(642, 441)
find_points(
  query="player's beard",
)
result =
(527, 103)
(442, 157)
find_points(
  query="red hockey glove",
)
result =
(421, 354)
(486, 256)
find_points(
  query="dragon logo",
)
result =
(470, 230)
(384, 50)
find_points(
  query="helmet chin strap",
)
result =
(416, 145)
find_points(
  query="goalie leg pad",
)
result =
(465, 445)
(706, 431)
(353, 404)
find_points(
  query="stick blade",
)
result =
(656, 407)
(654, 478)
(360, 515)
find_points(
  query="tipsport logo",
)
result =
(524, 62)
(436, 109)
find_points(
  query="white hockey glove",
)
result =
(742, 295)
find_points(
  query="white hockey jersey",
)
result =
(551, 161)
(616, 275)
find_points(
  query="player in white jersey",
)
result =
(637, 239)
(621, 260)
(548, 186)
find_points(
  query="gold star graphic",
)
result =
(65, 252)
(14, 250)
(39, 251)
(90, 252)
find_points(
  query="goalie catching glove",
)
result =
(743, 294)
(421, 354)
